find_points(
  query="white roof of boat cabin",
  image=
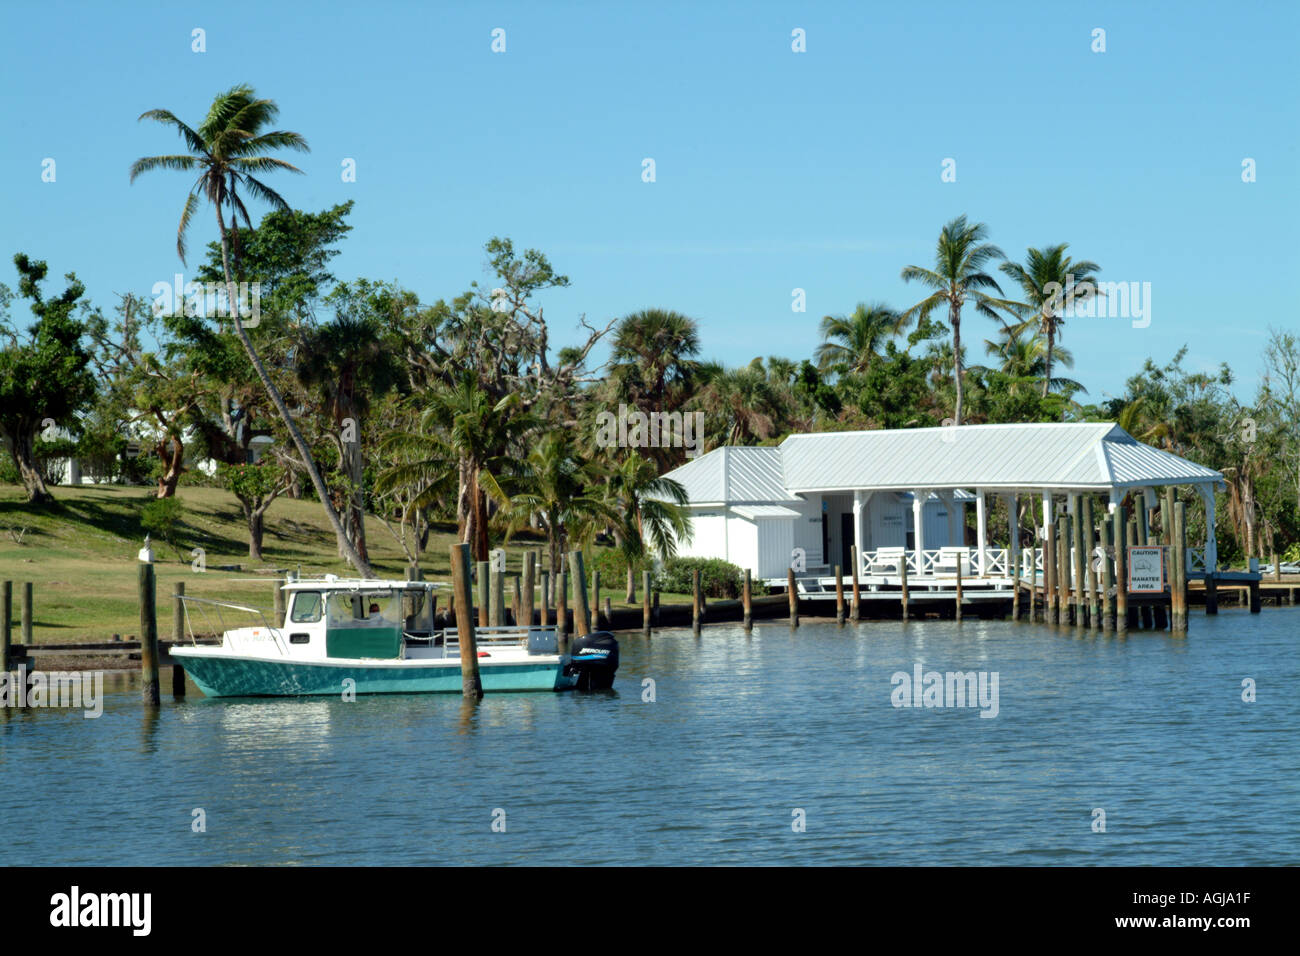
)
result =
(1083, 456)
(1080, 456)
(357, 584)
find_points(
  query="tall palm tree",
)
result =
(652, 512)
(1046, 277)
(958, 277)
(652, 357)
(229, 151)
(1024, 357)
(852, 343)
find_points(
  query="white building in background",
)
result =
(904, 496)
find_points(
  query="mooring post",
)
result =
(148, 631)
(525, 614)
(1121, 526)
(1167, 516)
(793, 597)
(839, 595)
(1090, 534)
(855, 610)
(1178, 591)
(1277, 569)
(1031, 571)
(481, 569)
(496, 596)
(1080, 557)
(654, 609)
(1254, 597)
(747, 601)
(1063, 568)
(562, 610)
(27, 618)
(1016, 562)
(545, 617)
(695, 600)
(956, 604)
(471, 684)
(1049, 573)
(1107, 603)
(516, 600)
(178, 634)
(6, 636)
(595, 596)
(902, 582)
(645, 602)
(1211, 593)
(581, 612)
(278, 599)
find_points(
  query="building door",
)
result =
(846, 542)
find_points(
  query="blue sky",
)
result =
(775, 170)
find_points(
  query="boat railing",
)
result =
(204, 605)
(537, 639)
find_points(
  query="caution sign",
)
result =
(1146, 570)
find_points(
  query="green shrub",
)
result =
(612, 565)
(718, 578)
(162, 518)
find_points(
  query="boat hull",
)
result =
(246, 676)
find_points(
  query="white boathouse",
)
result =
(906, 496)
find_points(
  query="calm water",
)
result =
(743, 731)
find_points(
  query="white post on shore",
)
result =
(981, 529)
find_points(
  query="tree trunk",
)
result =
(1047, 359)
(172, 465)
(22, 450)
(256, 528)
(954, 316)
(358, 562)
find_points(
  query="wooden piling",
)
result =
(695, 600)
(529, 574)
(956, 603)
(278, 598)
(1211, 594)
(1049, 574)
(581, 612)
(595, 597)
(747, 601)
(793, 597)
(1178, 586)
(545, 615)
(1089, 544)
(1107, 602)
(148, 635)
(1277, 569)
(855, 610)
(27, 615)
(1255, 605)
(178, 635)
(483, 600)
(1016, 564)
(562, 610)
(1121, 527)
(1080, 558)
(840, 613)
(645, 602)
(1031, 570)
(496, 596)
(471, 684)
(6, 635)
(1063, 569)
(902, 581)
(609, 612)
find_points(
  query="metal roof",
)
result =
(765, 511)
(1049, 455)
(1082, 456)
(734, 473)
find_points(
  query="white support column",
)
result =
(918, 526)
(981, 529)
(857, 528)
(1049, 513)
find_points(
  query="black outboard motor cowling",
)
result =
(594, 658)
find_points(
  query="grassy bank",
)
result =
(80, 555)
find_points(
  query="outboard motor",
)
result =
(594, 658)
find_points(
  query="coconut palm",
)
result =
(958, 277)
(651, 511)
(1024, 358)
(229, 151)
(853, 342)
(1046, 278)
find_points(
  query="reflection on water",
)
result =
(743, 728)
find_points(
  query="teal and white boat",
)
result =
(374, 637)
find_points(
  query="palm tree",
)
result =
(958, 277)
(742, 405)
(651, 509)
(852, 343)
(1046, 278)
(229, 151)
(1024, 358)
(652, 358)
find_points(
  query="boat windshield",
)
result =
(362, 608)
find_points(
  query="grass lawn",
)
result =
(80, 555)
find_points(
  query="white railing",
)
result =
(936, 562)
